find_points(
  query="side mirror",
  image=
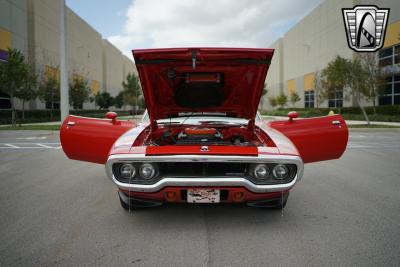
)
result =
(112, 116)
(292, 115)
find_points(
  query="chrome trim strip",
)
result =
(217, 182)
(208, 181)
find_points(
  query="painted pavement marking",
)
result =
(17, 146)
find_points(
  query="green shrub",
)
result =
(43, 115)
(383, 113)
(381, 110)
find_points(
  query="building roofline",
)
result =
(294, 25)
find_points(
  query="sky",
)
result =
(132, 24)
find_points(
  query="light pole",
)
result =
(64, 105)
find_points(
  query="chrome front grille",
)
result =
(198, 169)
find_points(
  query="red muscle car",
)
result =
(201, 139)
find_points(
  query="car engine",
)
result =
(236, 136)
(206, 136)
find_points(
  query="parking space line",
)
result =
(21, 146)
(54, 143)
(45, 146)
(11, 146)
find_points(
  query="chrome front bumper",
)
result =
(206, 181)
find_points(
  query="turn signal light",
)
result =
(170, 195)
(238, 196)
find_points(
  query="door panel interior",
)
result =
(89, 139)
(316, 139)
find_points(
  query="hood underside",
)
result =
(180, 81)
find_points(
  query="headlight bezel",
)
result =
(292, 171)
(137, 177)
(127, 165)
(255, 169)
(276, 174)
(153, 170)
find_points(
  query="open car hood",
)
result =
(180, 81)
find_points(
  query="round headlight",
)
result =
(147, 171)
(261, 171)
(127, 171)
(280, 171)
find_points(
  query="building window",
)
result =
(396, 57)
(391, 92)
(388, 58)
(3, 56)
(56, 105)
(309, 99)
(5, 102)
(335, 99)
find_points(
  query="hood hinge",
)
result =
(251, 125)
(153, 125)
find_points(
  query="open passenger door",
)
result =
(89, 139)
(316, 139)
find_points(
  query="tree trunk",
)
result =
(13, 120)
(51, 105)
(357, 96)
(51, 111)
(23, 109)
(374, 105)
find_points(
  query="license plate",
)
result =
(203, 196)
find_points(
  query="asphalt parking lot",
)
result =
(55, 211)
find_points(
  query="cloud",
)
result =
(177, 23)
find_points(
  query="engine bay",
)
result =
(195, 135)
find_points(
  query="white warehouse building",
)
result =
(32, 26)
(317, 39)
